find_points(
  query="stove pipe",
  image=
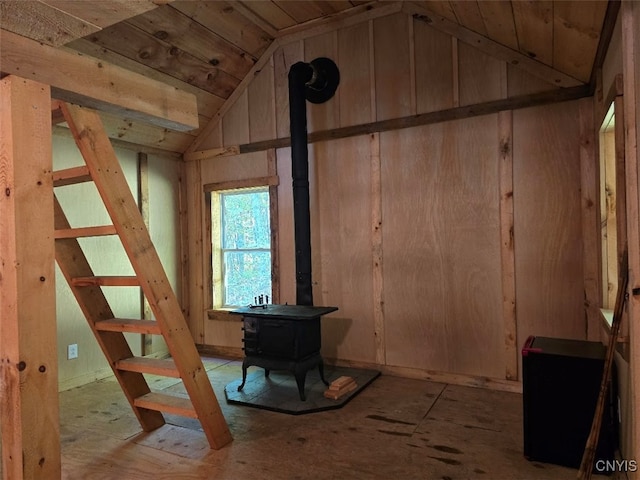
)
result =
(317, 82)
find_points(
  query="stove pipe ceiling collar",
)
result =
(317, 82)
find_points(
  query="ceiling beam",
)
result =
(86, 81)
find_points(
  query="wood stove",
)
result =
(283, 337)
(287, 337)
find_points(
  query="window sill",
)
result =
(222, 314)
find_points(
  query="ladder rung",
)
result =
(82, 232)
(71, 176)
(114, 281)
(128, 325)
(166, 403)
(154, 366)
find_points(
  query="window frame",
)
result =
(213, 277)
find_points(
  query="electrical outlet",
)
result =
(72, 351)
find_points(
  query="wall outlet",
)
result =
(72, 351)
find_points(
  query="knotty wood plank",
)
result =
(161, 55)
(114, 190)
(29, 366)
(222, 18)
(376, 251)
(207, 102)
(195, 259)
(43, 23)
(507, 255)
(177, 29)
(86, 81)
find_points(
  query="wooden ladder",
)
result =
(102, 167)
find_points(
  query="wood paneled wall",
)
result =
(444, 246)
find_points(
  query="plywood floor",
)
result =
(396, 428)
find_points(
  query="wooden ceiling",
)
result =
(208, 47)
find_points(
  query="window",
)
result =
(611, 203)
(241, 239)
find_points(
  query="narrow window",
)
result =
(241, 239)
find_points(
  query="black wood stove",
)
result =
(283, 337)
(287, 337)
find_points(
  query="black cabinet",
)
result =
(561, 385)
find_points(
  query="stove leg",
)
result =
(266, 373)
(321, 370)
(244, 375)
(300, 378)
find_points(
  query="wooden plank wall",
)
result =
(444, 246)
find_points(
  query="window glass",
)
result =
(245, 253)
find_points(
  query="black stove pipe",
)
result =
(316, 81)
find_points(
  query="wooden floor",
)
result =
(395, 429)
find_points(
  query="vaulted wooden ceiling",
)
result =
(207, 48)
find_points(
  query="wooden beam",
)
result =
(468, 111)
(507, 250)
(496, 50)
(29, 363)
(589, 166)
(87, 81)
(630, 12)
